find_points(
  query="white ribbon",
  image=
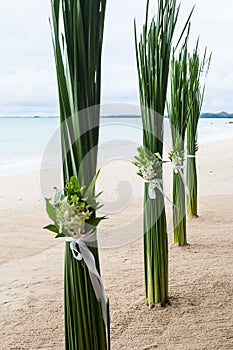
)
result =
(89, 260)
(153, 184)
(179, 169)
(191, 156)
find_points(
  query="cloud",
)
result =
(219, 87)
(28, 89)
(27, 75)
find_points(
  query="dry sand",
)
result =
(201, 274)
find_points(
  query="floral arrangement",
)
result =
(73, 209)
(176, 157)
(149, 164)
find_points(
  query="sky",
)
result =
(27, 74)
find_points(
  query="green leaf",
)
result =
(51, 210)
(60, 235)
(90, 190)
(58, 196)
(51, 228)
(95, 221)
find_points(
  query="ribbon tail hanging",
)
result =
(179, 170)
(86, 254)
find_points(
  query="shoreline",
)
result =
(22, 163)
(206, 160)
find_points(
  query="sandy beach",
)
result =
(200, 316)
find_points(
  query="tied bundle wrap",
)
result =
(179, 169)
(156, 184)
(84, 253)
(191, 156)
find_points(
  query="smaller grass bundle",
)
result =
(153, 53)
(178, 117)
(197, 68)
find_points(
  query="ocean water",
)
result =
(23, 141)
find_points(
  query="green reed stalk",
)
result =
(153, 53)
(178, 117)
(197, 67)
(77, 32)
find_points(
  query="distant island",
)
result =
(217, 115)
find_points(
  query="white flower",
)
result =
(177, 157)
(86, 215)
(148, 171)
(71, 218)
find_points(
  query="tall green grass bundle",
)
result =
(178, 117)
(77, 32)
(197, 67)
(153, 52)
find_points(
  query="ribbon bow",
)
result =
(179, 169)
(156, 183)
